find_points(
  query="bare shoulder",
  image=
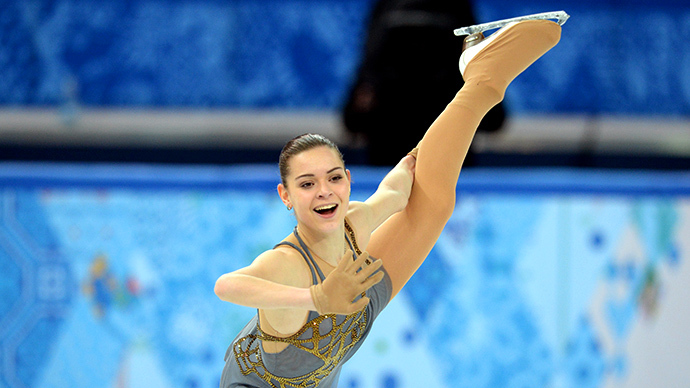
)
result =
(359, 217)
(282, 265)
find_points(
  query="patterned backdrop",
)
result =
(615, 57)
(552, 278)
(549, 278)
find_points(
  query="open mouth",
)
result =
(326, 210)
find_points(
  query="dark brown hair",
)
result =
(300, 144)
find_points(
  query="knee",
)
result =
(441, 208)
(446, 209)
(430, 205)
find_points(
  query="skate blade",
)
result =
(560, 16)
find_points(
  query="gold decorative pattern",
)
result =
(248, 352)
(341, 338)
(351, 233)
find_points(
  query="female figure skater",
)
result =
(318, 291)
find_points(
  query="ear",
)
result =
(283, 193)
(349, 178)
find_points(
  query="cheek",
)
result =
(307, 198)
(345, 192)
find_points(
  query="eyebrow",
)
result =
(311, 175)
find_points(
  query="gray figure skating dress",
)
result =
(316, 353)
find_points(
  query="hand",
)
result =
(344, 284)
(408, 164)
(399, 181)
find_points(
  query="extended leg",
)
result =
(404, 240)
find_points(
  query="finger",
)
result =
(371, 281)
(407, 161)
(345, 261)
(357, 264)
(410, 162)
(370, 269)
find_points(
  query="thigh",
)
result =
(405, 239)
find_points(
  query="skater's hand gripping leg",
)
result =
(347, 281)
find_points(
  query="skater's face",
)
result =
(318, 188)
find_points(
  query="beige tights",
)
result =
(405, 239)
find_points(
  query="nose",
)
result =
(324, 191)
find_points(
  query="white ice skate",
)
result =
(560, 16)
(471, 45)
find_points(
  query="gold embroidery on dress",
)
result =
(351, 233)
(247, 349)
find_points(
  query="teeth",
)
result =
(325, 207)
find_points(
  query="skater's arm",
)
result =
(390, 197)
(273, 281)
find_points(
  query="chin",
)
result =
(333, 223)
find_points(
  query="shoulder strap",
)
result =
(306, 254)
(304, 251)
(350, 232)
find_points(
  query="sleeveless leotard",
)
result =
(315, 354)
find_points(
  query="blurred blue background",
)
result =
(185, 82)
(541, 278)
(620, 57)
(616, 57)
(138, 142)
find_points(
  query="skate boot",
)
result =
(509, 51)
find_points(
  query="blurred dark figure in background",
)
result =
(408, 74)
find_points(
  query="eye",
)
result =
(336, 178)
(306, 185)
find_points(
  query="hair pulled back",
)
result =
(300, 144)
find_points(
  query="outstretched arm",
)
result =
(272, 281)
(283, 290)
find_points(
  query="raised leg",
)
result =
(405, 239)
